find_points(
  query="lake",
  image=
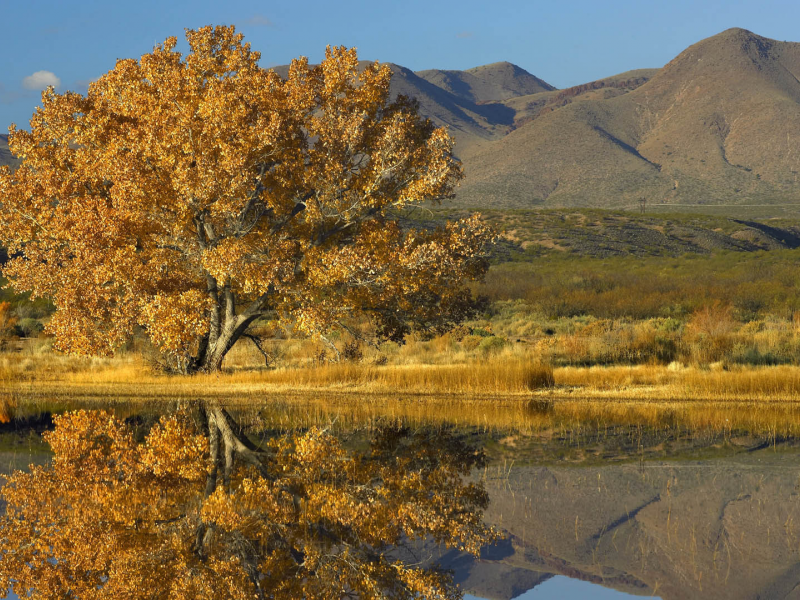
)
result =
(612, 507)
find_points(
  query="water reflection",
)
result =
(720, 519)
(565, 588)
(197, 509)
(610, 507)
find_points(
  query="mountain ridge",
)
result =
(718, 125)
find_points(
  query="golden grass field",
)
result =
(508, 389)
(509, 373)
(497, 374)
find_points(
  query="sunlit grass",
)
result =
(132, 377)
(772, 383)
(505, 390)
(506, 374)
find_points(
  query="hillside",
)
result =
(717, 129)
(527, 108)
(594, 233)
(720, 124)
(6, 157)
(466, 102)
(489, 83)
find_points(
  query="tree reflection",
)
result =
(198, 511)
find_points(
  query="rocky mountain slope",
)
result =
(471, 104)
(720, 124)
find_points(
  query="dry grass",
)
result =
(130, 377)
(491, 376)
(781, 382)
(617, 378)
(514, 371)
(770, 383)
(506, 391)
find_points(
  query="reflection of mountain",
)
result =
(727, 528)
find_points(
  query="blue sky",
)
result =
(564, 43)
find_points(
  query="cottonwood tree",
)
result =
(191, 195)
(206, 514)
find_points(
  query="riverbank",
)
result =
(501, 377)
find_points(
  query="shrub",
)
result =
(753, 356)
(709, 332)
(352, 351)
(8, 321)
(492, 344)
(29, 327)
(670, 325)
(460, 332)
(483, 332)
(471, 342)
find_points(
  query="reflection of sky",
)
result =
(564, 588)
(556, 588)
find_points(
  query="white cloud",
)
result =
(258, 21)
(40, 80)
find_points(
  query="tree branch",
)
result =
(268, 359)
(323, 237)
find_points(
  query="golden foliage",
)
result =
(301, 518)
(204, 181)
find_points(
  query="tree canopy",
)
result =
(189, 196)
(179, 516)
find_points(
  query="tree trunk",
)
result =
(229, 334)
(225, 327)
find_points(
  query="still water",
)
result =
(605, 509)
(565, 588)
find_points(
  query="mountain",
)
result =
(6, 158)
(720, 124)
(467, 102)
(489, 83)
